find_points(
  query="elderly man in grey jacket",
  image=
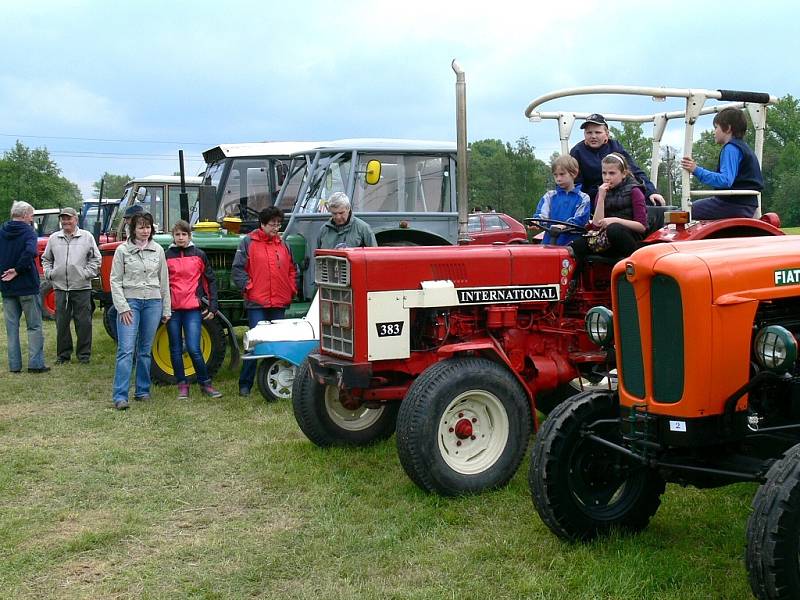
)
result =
(70, 261)
(344, 229)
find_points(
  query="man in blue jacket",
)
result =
(19, 284)
(589, 153)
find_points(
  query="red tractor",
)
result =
(458, 347)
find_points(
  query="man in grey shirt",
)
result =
(70, 261)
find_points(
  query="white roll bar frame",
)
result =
(695, 101)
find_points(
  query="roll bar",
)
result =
(754, 103)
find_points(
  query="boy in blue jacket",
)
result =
(738, 169)
(565, 203)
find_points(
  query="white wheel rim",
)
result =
(356, 419)
(473, 432)
(280, 378)
(609, 382)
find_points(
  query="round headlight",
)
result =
(775, 348)
(600, 325)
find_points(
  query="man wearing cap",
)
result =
(133, 209)
(596, 145)
(70, 261)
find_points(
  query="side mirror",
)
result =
(140, 194)
(207, 200)
(373, 173)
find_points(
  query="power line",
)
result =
(85, 139)
(125, 155)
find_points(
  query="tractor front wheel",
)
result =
(274, 378)
(581, 488)
(773, 531)
(212, 347)
(327, 418)
(463, 427)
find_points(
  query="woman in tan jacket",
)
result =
(140, 291)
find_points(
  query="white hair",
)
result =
(21, 209)
(339, 200)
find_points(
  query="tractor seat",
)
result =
(655, 217)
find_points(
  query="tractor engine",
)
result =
(388, 314)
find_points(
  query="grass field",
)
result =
(227, 499)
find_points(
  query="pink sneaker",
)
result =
(211, 391)
(183, 391)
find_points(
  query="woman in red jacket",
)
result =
(193, 291)
(264, 271)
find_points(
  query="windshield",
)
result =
(213, 173)
(251, 180)
(331, 175)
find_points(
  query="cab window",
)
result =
(408, 183)
(175, 205)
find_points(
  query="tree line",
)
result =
(508, 177)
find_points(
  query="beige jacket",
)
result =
(70, 263)
(140, 273)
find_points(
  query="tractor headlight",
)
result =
(325, 312)
(600, 325)
(775, 348)
(342, 316)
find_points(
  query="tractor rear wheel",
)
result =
(327, 421)
(274, 378)
(110, 321)
(773, 531)
(463, 427)
(212, 347)
(581, 488)
(48, 296)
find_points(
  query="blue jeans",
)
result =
(136, 337)
(190, 322)
(13, 307)
(248, 373)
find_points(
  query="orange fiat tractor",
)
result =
(705, 340)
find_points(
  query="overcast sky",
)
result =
(121, 86)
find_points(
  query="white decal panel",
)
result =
(677, 426)
(387, 323)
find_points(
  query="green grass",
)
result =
(227, 499)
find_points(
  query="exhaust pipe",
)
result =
(461, 152)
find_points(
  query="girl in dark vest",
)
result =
(620, 216)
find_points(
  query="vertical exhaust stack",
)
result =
(461, 152)
(183, 196)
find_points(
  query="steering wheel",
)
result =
(560, 226)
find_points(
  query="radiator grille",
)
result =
(334, 304)
(630, 339)
(667, 324)
(332, 270)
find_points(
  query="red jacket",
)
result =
(264, 270)
(191, 278)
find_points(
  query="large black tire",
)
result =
(773, 531)
(213, 344)
(593, 382)
(463, 427)
(275, 378)
(110, 321)
(324, 420)
(583, 489)
(48, 296)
